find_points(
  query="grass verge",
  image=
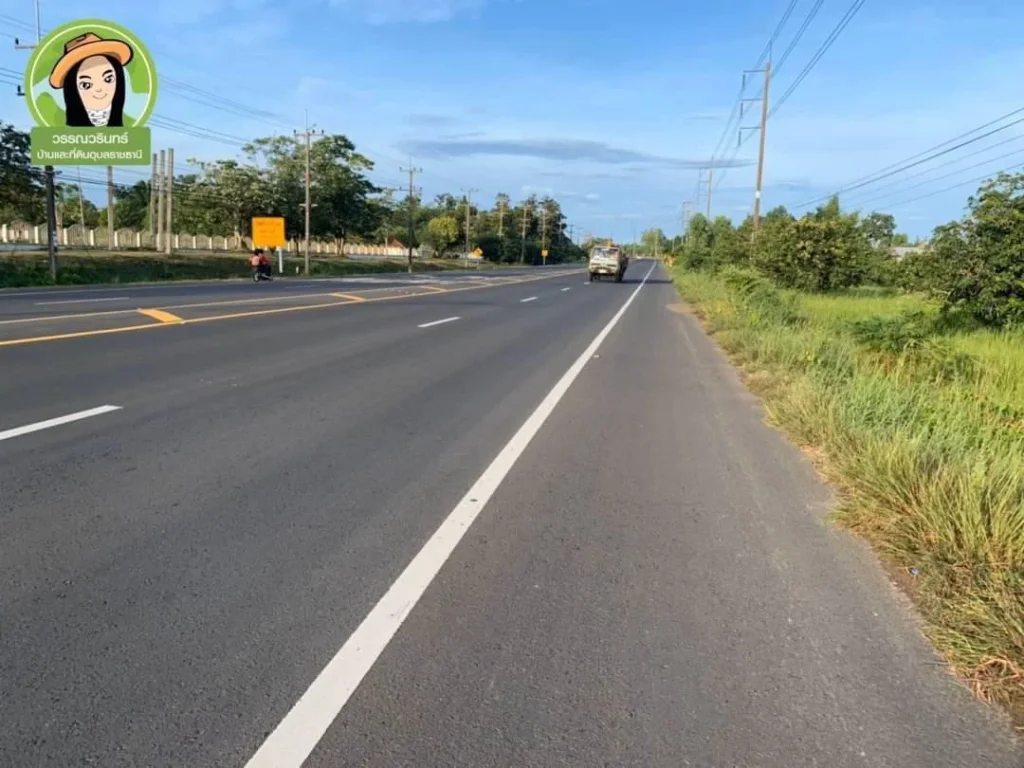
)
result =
(81, 268)
(920, 425)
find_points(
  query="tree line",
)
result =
(973, 266)
(220, 198)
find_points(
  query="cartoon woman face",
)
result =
(91, 74)
(97, 83)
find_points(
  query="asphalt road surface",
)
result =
(534, 523)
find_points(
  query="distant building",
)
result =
(901, 251)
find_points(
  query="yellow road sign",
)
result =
(477, 252)
(268, 232)
(544, 253)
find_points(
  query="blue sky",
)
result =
(608, 105)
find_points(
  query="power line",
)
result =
(737, 104)
(833, 36)
(948, 163)
(954, 186)
(945, 176)
(908, 166)
(799, 34)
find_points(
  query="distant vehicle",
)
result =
(607, 261)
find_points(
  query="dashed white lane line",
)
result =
(297, 735)
(438, 322)
(532, 298)
(40, 425)
(80, 301)
(566, 289)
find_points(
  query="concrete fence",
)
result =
(77, 236)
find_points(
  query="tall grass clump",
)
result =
(919, 420)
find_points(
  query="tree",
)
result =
(22, 197)
(977, 261)
(131, 207)
(442, 232)
(879, 229)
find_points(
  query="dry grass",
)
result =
(925, 442)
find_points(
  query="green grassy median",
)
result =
(920, 424)
(82, 267)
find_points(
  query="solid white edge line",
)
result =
(438, 322)
(40, 425)
(297, 735)
(523, 301)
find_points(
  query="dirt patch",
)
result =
(679, 309)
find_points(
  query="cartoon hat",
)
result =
(81, 48)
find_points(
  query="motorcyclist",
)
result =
(259, 262)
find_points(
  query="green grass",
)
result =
(922, 430)
(80, 267)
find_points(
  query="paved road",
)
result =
(341, 539)
(41, 302)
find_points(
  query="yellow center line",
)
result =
(258, 312)
(349, 296)
(163, 317)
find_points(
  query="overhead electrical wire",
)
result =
(904, 165)
(872, 200)
(899, 182)
(833, 36)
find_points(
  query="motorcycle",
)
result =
(262, 273)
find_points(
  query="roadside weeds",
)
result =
(923, 435)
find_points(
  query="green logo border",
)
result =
(82, 26)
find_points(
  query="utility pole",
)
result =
(160, 202)
(763, 98)
(169, 194)
(711, 188)
(81, 204)
(522, 251)
(760, 152)
(412, 171)
(501, 216)
(543, 236)
(307, 136)
(51, 222)
(51, 192)
(110, 208)
(468, 209)
(687, 215)
(154, 198)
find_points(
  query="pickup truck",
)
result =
(607, 261)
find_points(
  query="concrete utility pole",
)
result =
(543, 235)
(169, 194)
(711, 188)
(501, 216)
(763, 98)
(154, 198)
(160, 202)
(522, 251)
(760, 152)
(687, 215)
(81, 203)
(412, 171)
(469, 204)
(110, 208)
(307, 135)
(48, 174)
